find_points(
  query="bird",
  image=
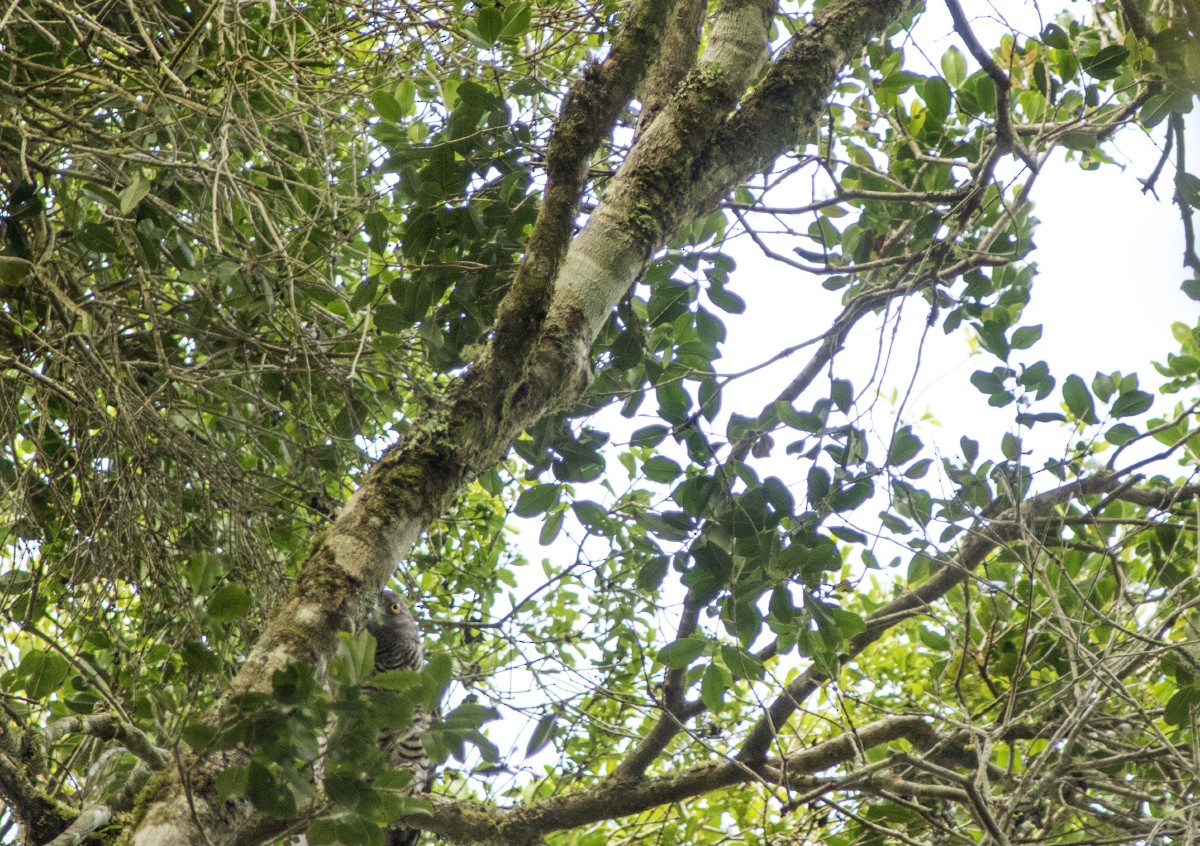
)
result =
(398, 647)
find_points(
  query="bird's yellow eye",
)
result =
(395, 607)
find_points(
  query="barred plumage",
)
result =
(397, 636)
(398, 647)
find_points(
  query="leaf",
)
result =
(804, 421)
(905, 446)
(537, 500)
(1188, 186)
(1079, 399)
(387, 107)
(651, 575)
(590, 514)
(1120, 433)
(937, 97)
(1131, 403)
(726, 301)
(543, 733)
(1105, 64)
(713, 686)
(678, 654)
(649, 436)
(661, 469)
(99, 238)
(1055, 36)
(741, 663)
(1025, 337)
(364, 294)
(517, 18)
(42, 673)
(489, 22)
(133, 194)
(954, 67)
(391, 318)
(228, 602)
(842, 394)
(377, 227)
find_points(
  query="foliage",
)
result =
(247, 248)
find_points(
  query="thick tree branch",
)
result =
(589, 112)
(41, 817)
(90, 820)
(790, 100)
(676, 59)
(617, 797)
(111, 727)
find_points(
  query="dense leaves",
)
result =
(248, 247)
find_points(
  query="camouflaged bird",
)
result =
(398, 647)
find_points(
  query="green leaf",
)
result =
(726, 300)
(364, 293)
(543, 733)
(1055, 36)
(803, 421)
(1131, 403)
(1120, 433)
(905, 446)
(99, 238)
(713, 685)
(517, 18)
(936, 94)
(551, 528)
(651, 575)
(133, 194)
(1188, 187)
(1079, 399)
(1105, 64)
(391, 318)
(42, 673)
(230, 782)
(954, 67)
(649, 436)
(537, 500)
(678, 654)
(377, 227)
(591, 515)
(1025, 337)
(741, 663)
(661, 469)
(489, 22)
(228, 602)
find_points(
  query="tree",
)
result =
(246, 245)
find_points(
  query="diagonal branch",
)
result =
(983, 540)
(615, 798)
(589, 111)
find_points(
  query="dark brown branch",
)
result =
(674, 709)
(1005, 136)
(1190, 257)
